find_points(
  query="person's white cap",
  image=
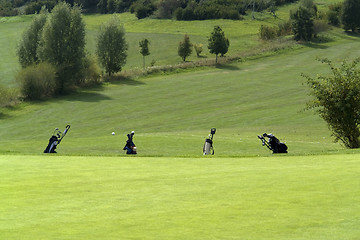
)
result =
(133, 132)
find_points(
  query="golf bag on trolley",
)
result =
(208, 145)
(273, 143)
(56, 139)
(130, 145)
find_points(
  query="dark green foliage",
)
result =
(111, 46)
(7, 9)
(267, 32)
(35, 7)
(144, 49)
(167, 8)
(185, 48)
(302, 23)
(334, 14)
(143, 8)
(209, 10)
(284, 28)
(37, 81)
(351, 15)
(28, 46)
(91, 73)
(337, 100)
(218, 43)
(63, 44)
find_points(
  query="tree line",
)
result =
(179, 9)
(52, 52)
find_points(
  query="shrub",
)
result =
(91, 75)
(8, 96)
(198, 48)
(302, 23)
(337, 100)
(320, 26)
(284, 28)
(333, 18)
(267, 32)
(37, 81)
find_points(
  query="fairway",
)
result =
(278, 197)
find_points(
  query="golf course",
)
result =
(91, 189)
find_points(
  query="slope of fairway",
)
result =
(173, 113)
(302, 198)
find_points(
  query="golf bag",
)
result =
(208, 145)
(273, 143)
(130, 145)
(56, 139)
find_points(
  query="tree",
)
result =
(351, 16)
(63, 44)
(302, 23)
(111, 46)
(27, 49)
(218, 43)
(337, 100)
(144, 49)
(185, 48)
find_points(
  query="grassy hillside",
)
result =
(164, 36)
(173, 113)
(302, 198)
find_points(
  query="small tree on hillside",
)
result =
(351, 16)
(185, 48)
(63, 44)
(218, 43)
(144, 49)
(337, 100)
(111, 46)
(302, 23)
(27, 49)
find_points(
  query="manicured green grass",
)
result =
(279, 197)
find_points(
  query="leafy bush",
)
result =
(198, 48)
(302, 23)
(320, 26)
(334, 14)
(6, 9)
(284, 28)
(35, 7)
(8, 96)
(37, 81)
(91, 73)
(267, 32)
(337, 100)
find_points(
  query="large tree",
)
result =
(63, 43)
(337, 100)
(351, 14)
(111, 46)
(218, 43)
(28, 45)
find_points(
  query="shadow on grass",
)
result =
(353, 34)
(315, 45)
(227, 67)
(88, 97)
(124, 80)
(3, 115)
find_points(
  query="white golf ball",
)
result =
(113, 133)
